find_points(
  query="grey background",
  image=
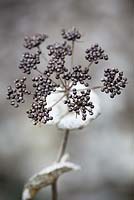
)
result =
(104, 149)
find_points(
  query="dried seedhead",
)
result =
(57, 77)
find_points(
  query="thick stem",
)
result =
(54, 191)
(63, 145)
(61, 153)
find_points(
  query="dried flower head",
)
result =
(58, 53)
(95, 53)
(29, 61)
(113, 82)
(71, 35)
(80, 75)
(63, 93)
(80, 103)
(16, 95)
(36, 40)
(39, 113)
(44, 86)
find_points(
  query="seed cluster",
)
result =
(113, 82)
(34, 41)
(16, 95)
(58, 50)
(29, 61)
(95, 53)
(57, 67)
(39, 113)
(44, 86)
(80, 75)
(58, 53)
(80, 103)
(71, 35)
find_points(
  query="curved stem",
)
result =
(63, 145)
(61, 153)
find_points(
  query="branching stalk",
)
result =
(39, 72)
(58, 101)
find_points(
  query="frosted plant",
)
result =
(61, 95)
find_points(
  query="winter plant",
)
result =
(61, 95)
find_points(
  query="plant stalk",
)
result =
(60, 155)
(72, 57)
(63, 145)
(54, 191)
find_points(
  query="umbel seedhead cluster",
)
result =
(58, 77)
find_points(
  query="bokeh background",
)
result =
(105, 148)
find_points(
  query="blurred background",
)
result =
(105, 148)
